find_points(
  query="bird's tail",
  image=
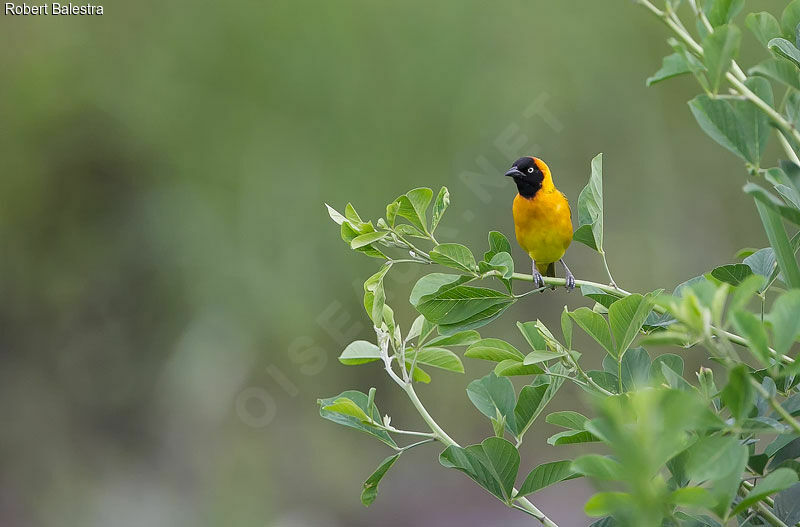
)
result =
(547, 269)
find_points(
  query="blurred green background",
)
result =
(175, 295)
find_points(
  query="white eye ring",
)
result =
(530, 170)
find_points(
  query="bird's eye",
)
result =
(530, 170)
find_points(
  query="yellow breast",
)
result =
(543, 225)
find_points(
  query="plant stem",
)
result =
(573, 363)
(787, 417)
(787, 148)
(442, 436)
(608, 271)
(616, 291)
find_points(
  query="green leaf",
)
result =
(692, 497)
(567, 419)
(785, 49)
(626, 317)
(764, 26)
(462, 338)
(669, 360)
(439, 207)
(365, 239)
(494, 350)
(764, 196)
(451, 305)
(598, 295)
(413, 206)
(784, 254)
(361, 400)
(511, 367)
(454, 255)
(790, 18)
(491, 394)
(605, 503)
(721, 12)
(595, 325)
(605, 380)
(536, 357)
(787, 505)
(335, 216)
(360, 352)
(349, 234)
(779, 70)
(475, 321)
(737, 125)
(733, 274)
(493, 465)
(545, 475)
(498, 243)
(533, 399)
(441, 358)
(784, 319)
(433, 283)
(753, 330)
(719, 49)
(598, 467)
(708, 459)
(776, 481)
(370, 487)
(532, 335)
(739, 395)
(590, 209)
(566, 327)
(672, 66)
(761, 262)
(635, 369)
(501, 262)
(345, 406)
(571, 437)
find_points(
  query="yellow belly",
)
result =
(543, 226)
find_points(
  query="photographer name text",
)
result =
(52, 9)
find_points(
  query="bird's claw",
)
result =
(538, 280)
(570, 282)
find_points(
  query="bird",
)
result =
(542, 219)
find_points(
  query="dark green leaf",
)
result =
(671, 361)
(370, 487)
(761, 262)
(570, 437)
(787, 505)
(491, 394)
(595, 325)
(752, 329)
(534, 398)
(785, 320)
(790, 18)
(635, 369)
(626, 317)
(672, 66)
(598, 467)
(764, 26)
(739, 395)
(780, 70)
(454, 255)
(494, 350)
(438, 358)
(532, 335)
(545, 475)
(413, 206)
(462, 338)
(493, 464)
(590, 209)
(776, 233)
(567, 419)
(764, 196)
(498, 243)
(457, 304)
(721, 12)
(475, 321)
(733, 274)
(774, 482)
(434, 282)
(720, 48)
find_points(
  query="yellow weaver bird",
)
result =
(542, 219)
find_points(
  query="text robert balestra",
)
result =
(52, 9)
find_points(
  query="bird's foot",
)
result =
(570, 282)
(538, 280)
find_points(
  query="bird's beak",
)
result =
(514, 172)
